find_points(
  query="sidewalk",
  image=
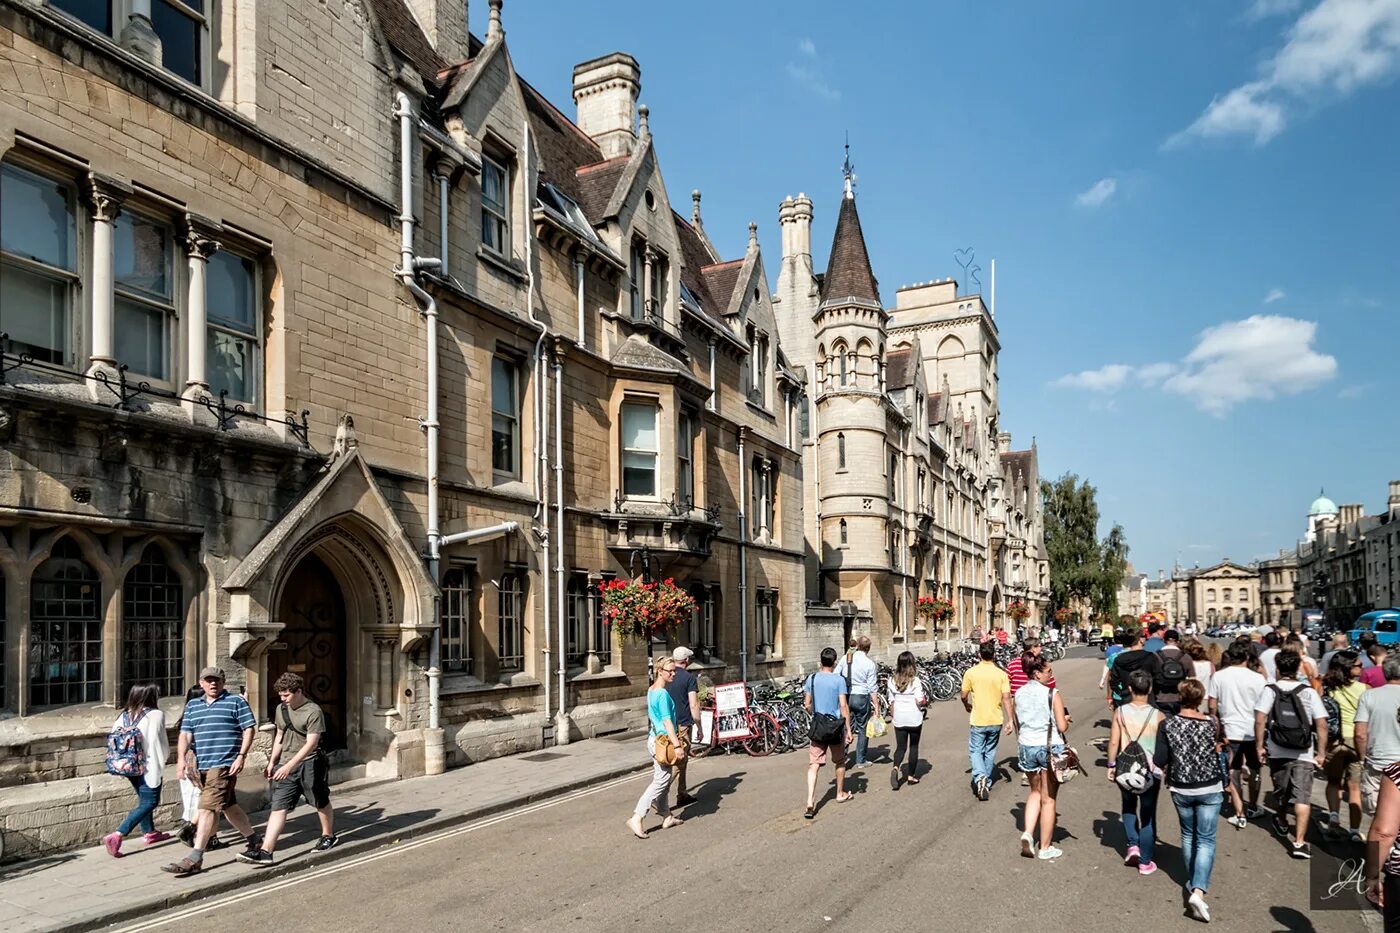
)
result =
(87, 888)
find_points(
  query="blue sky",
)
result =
(1194, 210)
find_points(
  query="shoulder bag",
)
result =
(1066, 764)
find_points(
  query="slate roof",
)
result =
(596, 184)
(848, 272)
(720, 279)
(899, 368)
(403, 33)
(1016, 465)
(563, 147)
(937, 408)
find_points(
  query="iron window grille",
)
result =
(511, 656)
(153, 625)
(65, 630)
(456, 620)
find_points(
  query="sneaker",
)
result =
(253, 843)
(1197, 907)
(1027, 846)
(1239, 822)
(1300, 850)
(325, 843)
(1046, 855)
(1147, 868)
(152, 838)
(256, 857)
(1280, 825)
(984, 790)
(1253, 812)
(112, 842)
(1356, 836)
(1133, 857)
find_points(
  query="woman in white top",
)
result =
(907, 701)
(1201, 666)
(1041, 721)
(143, 713)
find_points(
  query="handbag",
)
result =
(1066, 764)
(825, 728)
(665, 753)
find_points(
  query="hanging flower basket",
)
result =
(643, 611)
(1063, 615)
(933, 608)
(1018, 611)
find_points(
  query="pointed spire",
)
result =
(848, 171)
(644, 119)
(753, 236)
(848, 274)
(695, 220)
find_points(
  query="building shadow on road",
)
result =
(710, 793)
(34, 866)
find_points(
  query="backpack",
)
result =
(1334, 719)
(1132, 771)
(1119, 675)
(1289, 726)
(126, 749)
(1170, 673)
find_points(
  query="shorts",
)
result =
(1243, 754)
(1293, 780)
(1033, 758)
(217, 792)
(310, 779)
(1370, 789)
(1343, 763)
(817, 753)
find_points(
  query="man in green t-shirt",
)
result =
(306, 772)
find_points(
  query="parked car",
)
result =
(1384, 622)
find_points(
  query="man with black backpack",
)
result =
(1291, 731)
(1170, 673)
(1133, 658)
(306, 772)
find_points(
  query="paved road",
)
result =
(925, 858)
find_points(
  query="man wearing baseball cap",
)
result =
(684, 691)
(220, 725)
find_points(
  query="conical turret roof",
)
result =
(848, 274)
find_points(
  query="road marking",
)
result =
(355, 861)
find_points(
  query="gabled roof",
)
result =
(403, 34)
(637, 353)
(720, 279)
(848, 274)
(596, 184)
(937, 408)
(1016, 466)
(899, 368)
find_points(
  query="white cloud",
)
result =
(1261, 357)
(1351, 392)
(1098, 193)
(809, 80)
(1275, 294)
(1108, 378)
(1333, 49)
(807, 47)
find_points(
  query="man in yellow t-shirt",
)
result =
(986, 695)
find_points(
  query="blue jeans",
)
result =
(860, 715)
(1198, 817)
(1140, 820)
(982, 750)
(147, 799)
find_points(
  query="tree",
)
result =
(1084, 571)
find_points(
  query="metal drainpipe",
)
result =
(442, 222)
(407, 272)
(578, 286)
(743, 568)
(561, 719)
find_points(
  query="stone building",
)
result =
(1278, 580)
(1348, 563)
(1226, 592)
(334, 347)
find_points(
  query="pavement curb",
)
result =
(180, 899)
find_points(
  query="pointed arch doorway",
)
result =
(313, 644)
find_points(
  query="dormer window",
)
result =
(495, 205)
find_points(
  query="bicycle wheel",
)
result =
(945, 686)
(765, 738)
(799, 726)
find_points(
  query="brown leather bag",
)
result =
(665, 751)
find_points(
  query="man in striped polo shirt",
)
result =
(220, 726)
(1017, 673)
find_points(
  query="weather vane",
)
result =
(848, 171)
(965, 258)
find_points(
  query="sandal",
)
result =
(844, 798)
(911, 780)
(184, 868)
(671, 821)
(637, 831)
(809, 813)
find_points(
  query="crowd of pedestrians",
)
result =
(216, 731)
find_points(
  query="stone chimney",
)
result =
(444, 22)
(802, 225)
(1004, 442)
(1350, 514)
(605, 91)
(786, 224)
(1394, 503)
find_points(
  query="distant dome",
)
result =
(1322, 506)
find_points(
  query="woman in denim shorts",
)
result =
(1036, 706)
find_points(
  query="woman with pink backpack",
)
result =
(136, 750)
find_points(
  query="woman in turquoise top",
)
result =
(661, 718)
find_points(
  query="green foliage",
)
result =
(1083, 569)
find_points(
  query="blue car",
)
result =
(1384, 622)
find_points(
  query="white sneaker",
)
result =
(1027, 846)
(1197, 906)
(1048, 854)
